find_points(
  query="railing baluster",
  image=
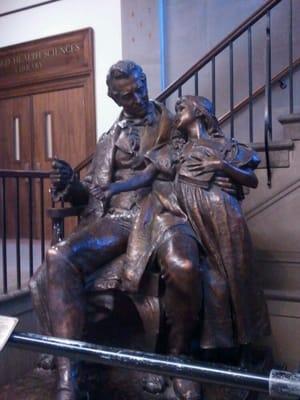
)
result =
(180, 91)
(231, 90)
(268, 99)
(196, 83)
(213, 82)
(30, 216)
(291, 80)
(42, 207)
(269, 76)
(18, 255)
(4, 232)
(14, 178)
(250, 84)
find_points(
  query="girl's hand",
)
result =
(210, 163)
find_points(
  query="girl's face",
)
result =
(185, 114)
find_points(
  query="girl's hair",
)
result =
(206, 112)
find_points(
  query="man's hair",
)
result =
(124, 69)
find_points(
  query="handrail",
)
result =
(257, 92)
(218, 48)
(280, 384)
(8, 173)
(84, 163)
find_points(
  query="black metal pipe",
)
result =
(231, 91)
(250, 84)
(18, 233)
(268, 99)
(42, 211)
(4, 232)
(180, 91)
(12, 173)
(280, 384)
(155, 363)
(291, 78)
(213, 82)
(196, 84)
(30, 216)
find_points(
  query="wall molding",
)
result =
(16, 304)
(275, 198)
(277, 257)
(282, 295)
(43, 3)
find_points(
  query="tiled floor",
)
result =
(11, 251)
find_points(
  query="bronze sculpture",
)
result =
(103, 234)
(123, 214)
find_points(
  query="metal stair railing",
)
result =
(192, 74)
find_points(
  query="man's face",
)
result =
(131, 94)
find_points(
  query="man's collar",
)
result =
(149, 119)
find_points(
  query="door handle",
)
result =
(48, 135)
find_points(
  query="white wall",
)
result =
(11, 5)
(69, 15)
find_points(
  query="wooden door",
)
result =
(60, 130)
(16, 153)
(52, 83)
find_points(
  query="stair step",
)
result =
(286, 144)
(278, 150)
(291, 125)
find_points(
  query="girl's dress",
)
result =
(234, 309)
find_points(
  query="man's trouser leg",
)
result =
(68, 263)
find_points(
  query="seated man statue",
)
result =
(103, 232)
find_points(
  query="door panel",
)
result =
(63, 112)
(16, 153)
(59, 131)
(14, 117)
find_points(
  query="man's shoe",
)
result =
(67, 388)
(187, 390)
(154, 384)
(66, 394)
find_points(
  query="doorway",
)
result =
(47, 110)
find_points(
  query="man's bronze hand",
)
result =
(61, 175)
(226, 184)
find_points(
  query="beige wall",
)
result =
(273, 219)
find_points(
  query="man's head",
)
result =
(127, 86)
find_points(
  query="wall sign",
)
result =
(45, 59)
